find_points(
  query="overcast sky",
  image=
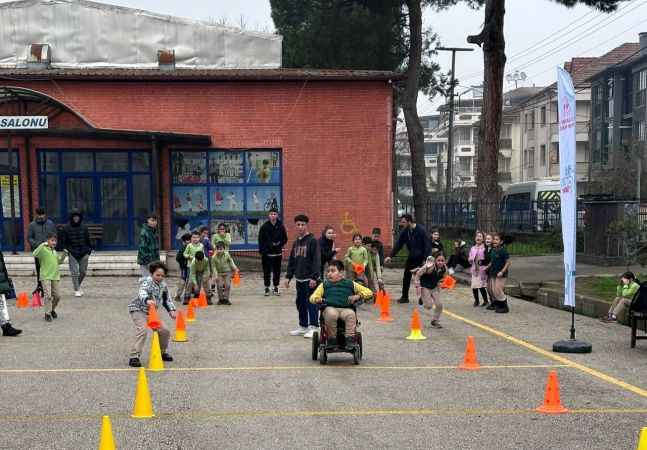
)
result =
(539, 33)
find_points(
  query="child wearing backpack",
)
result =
(184, 270)
(624, 295)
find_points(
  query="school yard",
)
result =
(242, 382)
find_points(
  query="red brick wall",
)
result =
(335, 136)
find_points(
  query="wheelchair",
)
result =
(320, 347)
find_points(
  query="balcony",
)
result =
(581, 132)
(505, 177)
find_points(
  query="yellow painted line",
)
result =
(326, 413)
(276, 368)
(560, 359)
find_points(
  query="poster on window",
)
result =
(263, 168)
(189, 167)
(190, 201)
(253, 228)
(226, 168)
(227, 201)
(235, 227)
(6, 196)
(261, 199)
(186, 225)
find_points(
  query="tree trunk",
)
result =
(409, 105)
(493, 42)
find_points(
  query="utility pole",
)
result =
(450, 137)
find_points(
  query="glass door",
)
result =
(80, 194)
(114, 211)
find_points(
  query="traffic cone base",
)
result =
(642, 439)
(416, 335)
(143, 408)
(106, 441)
(552, 403)
(155, 363)
(470, 361)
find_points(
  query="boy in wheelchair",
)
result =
(340, 295)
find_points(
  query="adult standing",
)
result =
(149, 247)
(76, 240)
(304, 265)
(37, 233)
(327, 247)
(415, 238)
(6, 291)
(272, 237)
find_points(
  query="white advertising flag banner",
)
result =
(568, 180)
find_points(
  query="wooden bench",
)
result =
(634, 318)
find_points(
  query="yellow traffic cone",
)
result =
(416, 327)
(143, 408)
(642, 439)
(155, 363)
(107, 441)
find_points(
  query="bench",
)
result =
(634, 318)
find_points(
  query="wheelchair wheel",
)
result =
(357, 356)
(361, 347)
(323, 355)
(315, 345)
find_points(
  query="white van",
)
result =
(532, 205)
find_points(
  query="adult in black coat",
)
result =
(272, 237)
(76, 240)
(327, 247)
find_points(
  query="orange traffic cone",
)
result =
(470, 362)
(36, 300)
(552, 403)
(22, 301)
(154, 322)
(190, 312)
(416, 327)
(379, 298)
(385, 308)
(358, 268)
(236, 279)
(448, 282)
(180, 328)
(202, 299)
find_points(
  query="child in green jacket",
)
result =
(50, 275)
(624, 295)
(357, 258)
(223, 266)
(193, 247)
(221, 236)
(199, 277)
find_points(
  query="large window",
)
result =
(112, 188)
(233, 187)
(640, 87)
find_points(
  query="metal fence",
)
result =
(529, 216)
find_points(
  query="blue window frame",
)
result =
(110, 187)
(232, 186)
(11, 231)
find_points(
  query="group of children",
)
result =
(205, 261)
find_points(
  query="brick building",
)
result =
(199, 145)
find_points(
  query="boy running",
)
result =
(223, 266)
(50, 275)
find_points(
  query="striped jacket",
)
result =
(149, 289)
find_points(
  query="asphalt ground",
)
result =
(243, 382)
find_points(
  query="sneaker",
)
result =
(609, 319)
(77, 293)
(451, 271)
(226, 302)
(276, 291)
(267, 292)
(81, 292)
(134, 362)
(8, 330)
(403, 300)
(435, 324)
(310, 332)
(166, 357)
(54, 315)
(491, 307)
(299, 331)
(48, 317)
